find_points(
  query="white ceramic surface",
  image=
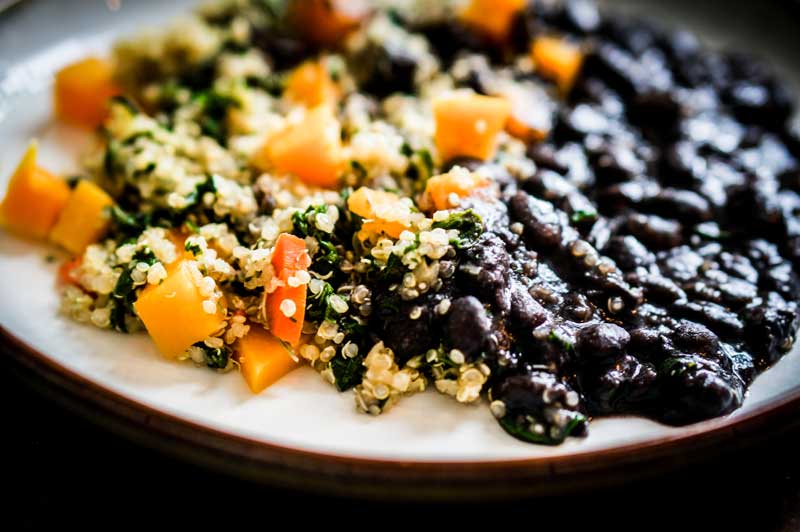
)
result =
(300, 411)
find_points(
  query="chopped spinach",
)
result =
(318, 307)
(468, 224)
(214, 108)
(124, 293)
(347, 371)
(518, 426)
(326, 256)
(583, 215)
(216, 357)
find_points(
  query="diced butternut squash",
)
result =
(263, 359)
(458, 181)
(493, 18)
(310, 149)
(286, 306)
(310, 84)
(84, 219)
(290, 254)
(327, 22)
(383, 212)
(467, 124)
(557, 59)
(531, 117)
(34, 198)
(174, 312)
(66, 272)
(286, 309)
(82, 91)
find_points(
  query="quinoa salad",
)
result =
(557, 212)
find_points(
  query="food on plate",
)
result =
(562, 213)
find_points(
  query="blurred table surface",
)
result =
(61, 469)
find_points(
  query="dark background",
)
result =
(59, 470)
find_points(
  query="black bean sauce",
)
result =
(652, 266)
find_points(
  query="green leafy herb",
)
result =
(326, 255)
(274, 84)
(347, 371)
(124, 293)
(318, 307)
(214, 109)
(126, 102)
(128, 225)
(420, 166)
(583, 215)
(560, 338)
(359, 170)
(519, 427)
(193, 248)
(216, 358)
(468, 224)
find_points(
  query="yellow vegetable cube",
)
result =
(310, 84)
(458, 181)
(467, 124)
(492, 17)
(558, 59)
(263, 358)
(383, 212)
(34, 198)
(174, 314)
(311, 149)
(84, 219)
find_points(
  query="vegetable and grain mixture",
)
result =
(565, 213)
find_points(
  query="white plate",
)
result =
(300, 412)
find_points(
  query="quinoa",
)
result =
(592, 264)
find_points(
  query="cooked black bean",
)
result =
(405, 326)
(526, 312)
(540, 408)
(468, 327)
(694, 337)
(769, 331)
(693, 388)
(624, 385)
(685, 205)
(386, 68)
(655, 231)
(628, 252)
(601, 340)
(716, 317)
(539, 218)
(657, 287)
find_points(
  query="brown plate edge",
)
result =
(340, 475)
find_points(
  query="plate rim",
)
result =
(373, 477)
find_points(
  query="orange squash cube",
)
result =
(310, 84)
(286, 309)
(376, 207)
(311, 149)
(493, 18)
(263, 359)
(34, 198)
(557, 59)
(458, 181)
(82, 91)
(467, 124)
(327, 22)
(173, 313)
(290, 254)
(84, 219)
(531, 115)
